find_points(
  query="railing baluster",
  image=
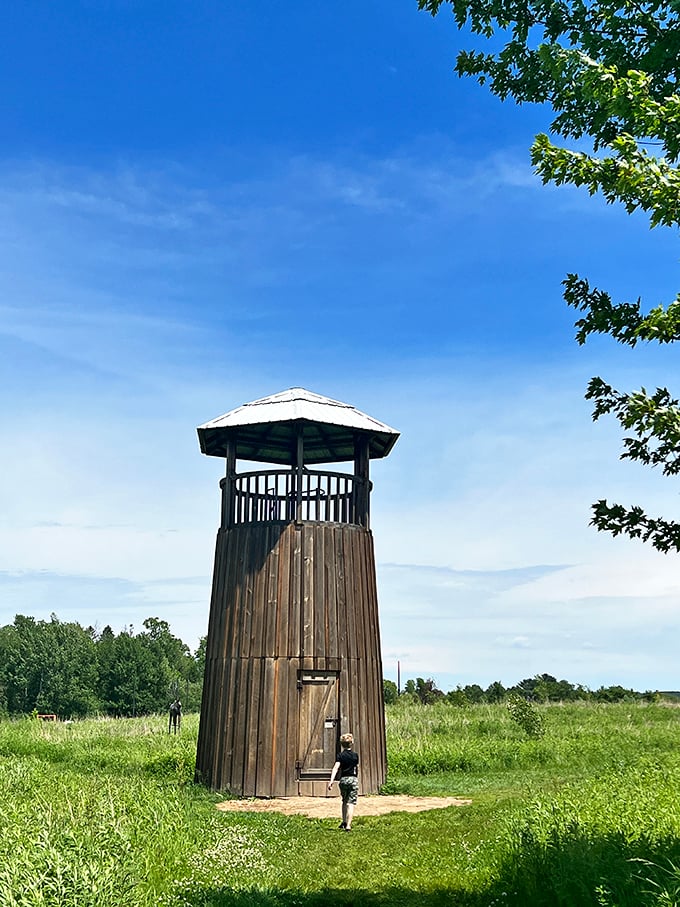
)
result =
(272, 495)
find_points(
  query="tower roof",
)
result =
(266, 430)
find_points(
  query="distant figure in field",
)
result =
(345, 769)
(175, 721)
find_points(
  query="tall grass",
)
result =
(105, 813)
(93, 813)
(469, 746)
(613, 840)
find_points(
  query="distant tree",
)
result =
(457, 697)
(47, 666)
(200, 657)
(390, 692)
(105, 670)
(566, 692)
(70, 680)
(169, 662)
(546, 678)
(53, 666)
(132, 683)
(526, 688)
(549, 689)
(495, 692)
(20, 660)
(474, 693)
(427, 692)
(582, 692)
(615, 693)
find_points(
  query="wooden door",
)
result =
(318, 723)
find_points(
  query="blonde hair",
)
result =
(346, 740)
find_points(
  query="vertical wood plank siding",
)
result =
(288, 598)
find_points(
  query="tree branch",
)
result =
(664, 535)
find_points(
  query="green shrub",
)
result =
(525, 715)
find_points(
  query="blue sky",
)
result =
(201, 204)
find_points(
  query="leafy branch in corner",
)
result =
(610, 71)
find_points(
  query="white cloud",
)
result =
(488, 625)
(138, 304)
(99, 601)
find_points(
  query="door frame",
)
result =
(331, 679)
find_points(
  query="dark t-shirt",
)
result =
(348, 760)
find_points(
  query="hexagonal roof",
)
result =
(266, 430)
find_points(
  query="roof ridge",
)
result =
(268, 424)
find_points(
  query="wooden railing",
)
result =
(275, 495)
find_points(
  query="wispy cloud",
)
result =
(100, 600)
(139, 302)
(485, 630)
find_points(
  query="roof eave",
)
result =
(212, 442)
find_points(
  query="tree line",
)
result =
(62, 668)
(65, 669)
(542, 688)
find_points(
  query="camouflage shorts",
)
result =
(349, 790)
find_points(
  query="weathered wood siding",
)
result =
(289, 600)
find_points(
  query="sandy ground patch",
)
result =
(329, 807)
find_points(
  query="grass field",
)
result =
(105, 813)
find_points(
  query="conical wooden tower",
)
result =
(293, 656)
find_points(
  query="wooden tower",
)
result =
(293, 656)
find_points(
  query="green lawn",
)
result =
(105, 813)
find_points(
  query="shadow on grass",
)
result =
(580, 871)
(584, 870)
(334, 897)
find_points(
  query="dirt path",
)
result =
(329, 807)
